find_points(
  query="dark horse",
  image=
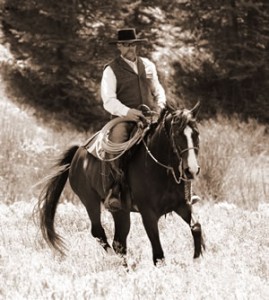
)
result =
(156, 176)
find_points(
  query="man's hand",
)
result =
(135, 115)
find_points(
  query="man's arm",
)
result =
(109, 97)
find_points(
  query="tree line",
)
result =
(216, 52)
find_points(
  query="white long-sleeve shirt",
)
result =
(109, 85)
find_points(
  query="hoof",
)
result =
(196, 227)
(160, 263)
(110, 251)
(195, 199)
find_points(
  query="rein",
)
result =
(169, 168)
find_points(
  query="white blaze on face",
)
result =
(192, 161)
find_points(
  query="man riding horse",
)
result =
(127, 82)
(165, 154)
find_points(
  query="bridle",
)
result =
(176, 149)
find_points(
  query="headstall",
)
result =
(176, 149)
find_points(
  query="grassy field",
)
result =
(234, 215)
(235, 265)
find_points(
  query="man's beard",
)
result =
(131, 55)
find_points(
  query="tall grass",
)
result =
(28, 150)
(234, 159)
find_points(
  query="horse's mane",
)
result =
(181, 116)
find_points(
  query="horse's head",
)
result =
(182, 131)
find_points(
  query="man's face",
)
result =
(128, 50)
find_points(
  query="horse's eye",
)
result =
(177, 131)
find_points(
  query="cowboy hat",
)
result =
(127, 35)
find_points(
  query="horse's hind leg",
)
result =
(185, 211)
(122, 228)
(93, 207)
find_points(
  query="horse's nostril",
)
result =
(188, 174)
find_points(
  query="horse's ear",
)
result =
(195, 109)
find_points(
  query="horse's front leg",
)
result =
(150, 221)
(122, 228)
(199, 245)
(185, 211)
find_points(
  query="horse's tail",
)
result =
(50, 196)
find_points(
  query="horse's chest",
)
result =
(171, 200)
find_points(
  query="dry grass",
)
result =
(234, 161)
(235, 265)
(28, 150)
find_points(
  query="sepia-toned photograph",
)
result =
(134, 150)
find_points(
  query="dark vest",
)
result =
(132, 89)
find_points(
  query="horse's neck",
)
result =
(160, 146)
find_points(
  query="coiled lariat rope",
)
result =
(106, 150)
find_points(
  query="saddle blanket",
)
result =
(93, 146)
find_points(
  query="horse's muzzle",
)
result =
(189, 174)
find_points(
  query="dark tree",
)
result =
(212, 51)
(59, 48)
(235, 35)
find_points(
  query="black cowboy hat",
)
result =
(127, 35)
